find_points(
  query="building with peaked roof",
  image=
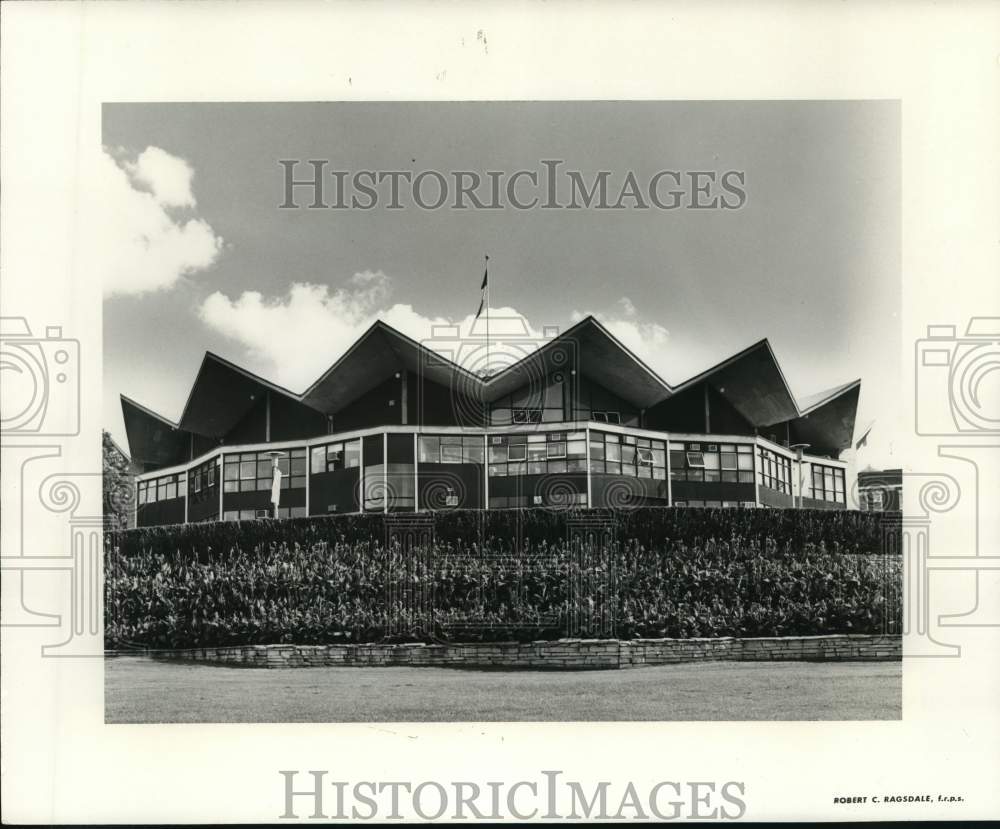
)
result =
(575, 420)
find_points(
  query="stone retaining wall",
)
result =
(562, 654)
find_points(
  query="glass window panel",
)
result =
(231, 472)
(556, 450)
(645, 472)
(696, 460)
(498, 470)
(473, 453)
(576, 448)
(576, 465)
(428, 449)
(557, 466)
(248, 469)
(677, 446)
(517, 451)
(352, 453)
(597, 466)
(536, 467)
(711, 460)
(613, 451)
(451, 453)
(596, 449)
(728, 460)
(498, 454)
(744, 461)
(231, 486)
(659, 473)
(613, 467)
(517, 468)
(536, 452)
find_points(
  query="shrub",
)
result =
(500, 575)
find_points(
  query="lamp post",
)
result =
(275, 480)
(799, 450)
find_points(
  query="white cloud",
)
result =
(168, 177)
(647, 340)
(137, 231)
(293, 339)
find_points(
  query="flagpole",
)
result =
(487, 269)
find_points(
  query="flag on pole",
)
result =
(483, 288)
(863, 440)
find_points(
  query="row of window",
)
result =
(542, 415)
(204, 477)
(537, 454)
(774, 471)
(335, 456)
(711, 462)
(450, 449)
(627, 455)
(161, 489)
(828, 483)
(530, 454)
(251, 471)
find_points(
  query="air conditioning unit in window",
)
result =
(713, 447)
(451, 500)
(538, 500)
(496, 440)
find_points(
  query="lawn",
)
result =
(141, 690)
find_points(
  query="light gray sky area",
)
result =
(199, 256)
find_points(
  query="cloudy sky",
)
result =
(195, 254)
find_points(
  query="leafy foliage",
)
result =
(501, 575)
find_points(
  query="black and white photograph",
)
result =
(481, 412)
(497, 387)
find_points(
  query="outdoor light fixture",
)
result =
(275, 479)
(799, 450)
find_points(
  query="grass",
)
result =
(141, 690)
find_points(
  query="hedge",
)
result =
(845, 531)
(501, 575)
